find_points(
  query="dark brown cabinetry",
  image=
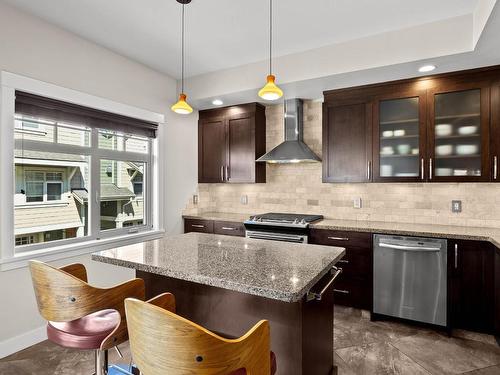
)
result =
(218, 227)
(229, 141)
(354, 286)
(346, 141)
(472, 285)
(495, 132)
(433, 129)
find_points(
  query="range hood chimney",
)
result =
(293, 149)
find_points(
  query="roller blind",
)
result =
(56, 110)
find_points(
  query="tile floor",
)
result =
(361, 348)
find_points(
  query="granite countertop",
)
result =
(425, 230)
(278, 270)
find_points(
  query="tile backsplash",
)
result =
(298, 188)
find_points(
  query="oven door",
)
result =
(274, 236)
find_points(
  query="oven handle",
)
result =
(277, 237)
(317, 296)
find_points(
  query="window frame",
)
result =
(9, 259)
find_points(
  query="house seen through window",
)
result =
(77, 180)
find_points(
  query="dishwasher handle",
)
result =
(410, 248)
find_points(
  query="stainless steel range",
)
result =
(280, 227)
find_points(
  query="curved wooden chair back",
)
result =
(163, 343)
(63, 295)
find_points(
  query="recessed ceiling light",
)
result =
(426, 68)
(217, 102)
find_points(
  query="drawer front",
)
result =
(353, 293)
(357, 263)
(195, 225)
(229, 228)
(341, 238)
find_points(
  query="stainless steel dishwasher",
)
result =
(409, 278)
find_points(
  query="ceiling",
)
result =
(222, 34)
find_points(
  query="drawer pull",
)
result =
(341, 291)
(343, 261)
(197, 226)
(339, 238)
(318, 296)
(228, 228)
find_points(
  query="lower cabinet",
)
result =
(471, 266)
(227, 228)
(354, 287)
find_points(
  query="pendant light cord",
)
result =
(270, 36)
(182, 52)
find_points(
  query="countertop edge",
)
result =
(374, 229)
(237, 287)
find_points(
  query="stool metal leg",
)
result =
(101, 362)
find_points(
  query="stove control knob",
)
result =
(303, 222)
(296, 221)
(252, 218)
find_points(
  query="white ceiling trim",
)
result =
(480, 17)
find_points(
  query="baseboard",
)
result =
(23, 341)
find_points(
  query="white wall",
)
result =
(34, 48)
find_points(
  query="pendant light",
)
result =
(270, 91)
(182, 107)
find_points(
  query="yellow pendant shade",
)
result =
(182, 107)
(270, 91)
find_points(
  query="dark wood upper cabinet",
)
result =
(495, 132)
(458, 142)
(230, 139)
(472, 281)
(347, 141)
(399, 137)
(442, 128)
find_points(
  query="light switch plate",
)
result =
(456, 206)
(357, 202)
(195, 199)
(244, 199)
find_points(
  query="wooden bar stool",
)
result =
(79, 315)
(163, 343)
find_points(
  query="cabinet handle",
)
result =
(339, 238)
(369, 170)
(341, 291)
(222, 173)
(197, 226)
(227, 173)
(343, 261)
(430, 168)
(456, 256)
(228, 228)
(422, 169)
(495, 167)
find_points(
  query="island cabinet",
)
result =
(230, 139)
(228, 228)
(497, 292)
(354, 285)
(433, 129)
(471, 266)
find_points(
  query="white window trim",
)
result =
(9, 83)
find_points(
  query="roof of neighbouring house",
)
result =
(38, 156)
(108, 192)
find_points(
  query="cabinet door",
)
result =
(211, 150)
(240, 165)
(495, 132)
(459, 133)
(472, 285)
(399, 138)
(347, 142)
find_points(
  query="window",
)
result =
(80, 174)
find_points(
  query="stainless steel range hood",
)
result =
(293, 149)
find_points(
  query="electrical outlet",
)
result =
(357, 202)
(456, 206)
(244, 199)
(195, 199)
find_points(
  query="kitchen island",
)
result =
(227, 284)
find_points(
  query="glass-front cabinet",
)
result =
(399, 139)
(458, 135)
